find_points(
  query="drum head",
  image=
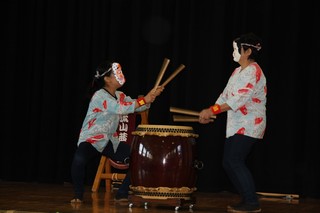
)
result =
(165, 130)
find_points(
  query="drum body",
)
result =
(162, 162)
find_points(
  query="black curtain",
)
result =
(53, 47)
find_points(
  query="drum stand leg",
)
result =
(177, 202)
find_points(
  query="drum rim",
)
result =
(164, 126)
(164, 130)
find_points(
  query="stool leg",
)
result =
(100, 170)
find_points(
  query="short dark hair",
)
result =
(103, 69)
(250, 41)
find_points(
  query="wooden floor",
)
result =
(16, 197)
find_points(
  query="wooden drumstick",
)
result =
(278, 195)
(183, 118)
(176, 72)
(162, 70)
(187, 112)
(183, 111)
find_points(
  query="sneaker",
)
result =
(235, 205)
(244, 208)
(121, 197)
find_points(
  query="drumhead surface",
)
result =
(164, 130)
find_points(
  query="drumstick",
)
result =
(162, 70)
(187, 112)
(176, 72)
(181, 118)
(278, 195)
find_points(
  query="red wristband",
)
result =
(216, 109)
(141, 101)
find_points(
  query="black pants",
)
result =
(236, 150)
(85, 153)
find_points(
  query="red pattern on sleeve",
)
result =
(97, 110)
(246, 89)
(241, 131)
(105, 104)
(258, 72)
(242, 91)
(243, 110)
(249, 86)
(91, 123)
(258, 120)
(95, 138)
(256, 100)
(122, 102)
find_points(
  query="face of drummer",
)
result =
(236, 53)
(118, 74)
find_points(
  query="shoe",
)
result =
(121, 197)
(235, 205)
(76, 200)
(244, 208)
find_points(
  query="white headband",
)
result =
(258, 46)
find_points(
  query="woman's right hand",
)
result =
(158, 90)
(151, 96)
(205, 116)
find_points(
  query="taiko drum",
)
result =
(163, 162)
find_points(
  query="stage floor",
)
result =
(17, 197)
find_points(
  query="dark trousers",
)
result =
(85, 153)
(236, 150)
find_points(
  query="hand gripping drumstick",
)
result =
(187, 112)
(176, 72)
(162, 70)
